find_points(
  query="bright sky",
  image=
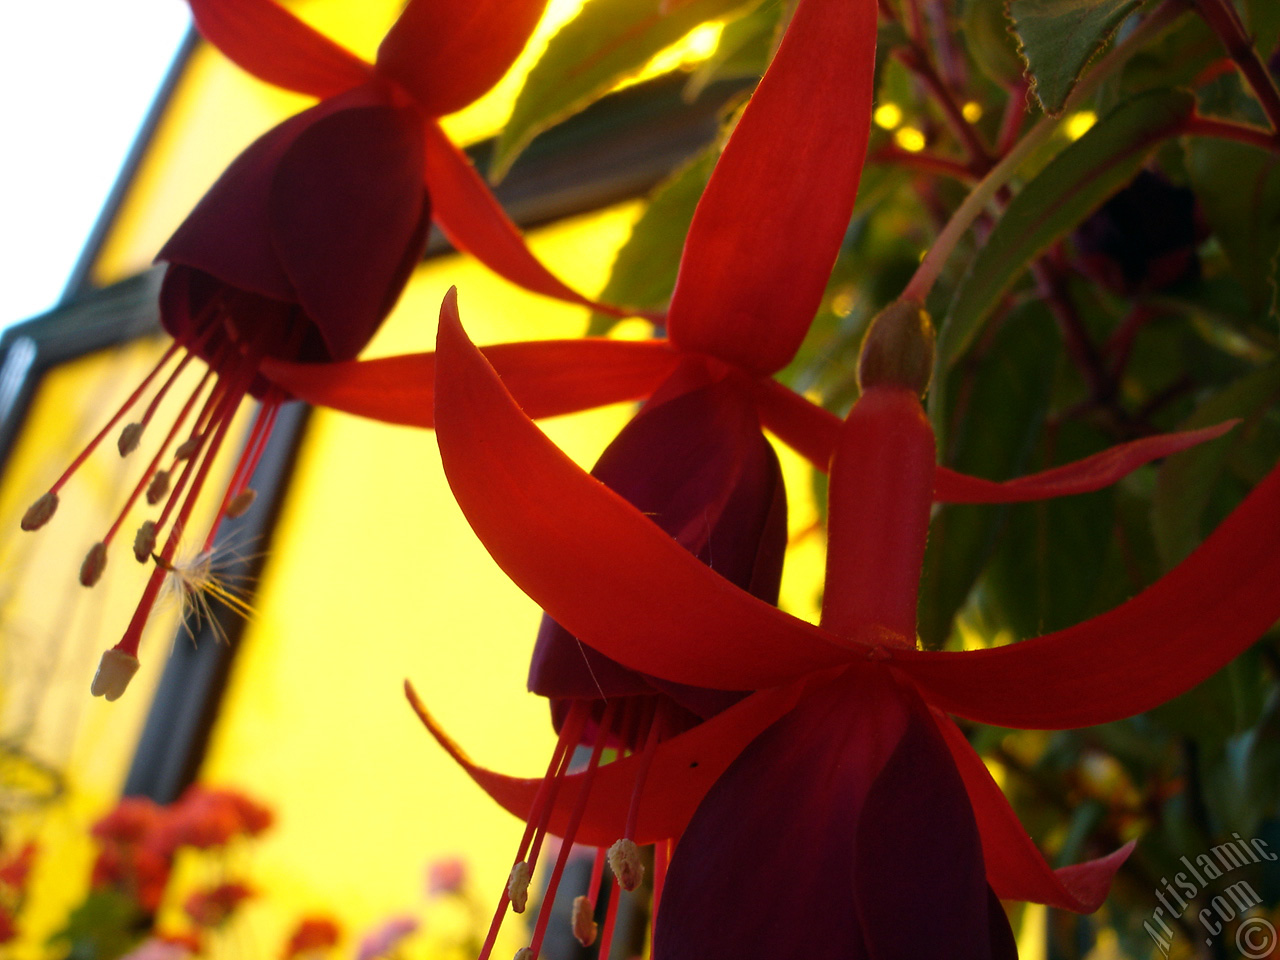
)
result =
(78, 77)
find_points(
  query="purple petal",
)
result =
(766, 866)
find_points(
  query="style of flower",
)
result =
(849, 711)
(301, 248)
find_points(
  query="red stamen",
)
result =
(571, 828)
(150, 472)
(540, 810)
(124, 408)
(610, 920)
(254, 447)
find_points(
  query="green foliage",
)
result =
(108, 924)
(644, 271)
(607, 42)
(1055, 202)
(1243, 210)
(1058, 38)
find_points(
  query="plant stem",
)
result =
(1221, 15)
(920, 160)
(930, 268)
(1198, 126)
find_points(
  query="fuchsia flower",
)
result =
(301, 248)
(695, 470)
(850, 706)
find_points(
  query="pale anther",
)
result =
(115, 670)
(624, 861)
(585, 927)
(518, 886)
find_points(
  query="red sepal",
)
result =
(1168, 638)
(811, 431)
(684, 768)
(547, 378)
(448, 54)
(1015, 868)
(467, 212)
(1081, 476)
(591, 560)
(767, 230)
(264, 39)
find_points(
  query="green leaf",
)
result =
(1058, 38)
(1047, 572)
(644, 270)
(987, 34)
(1239, 190)
(1186, 481)
(745, 46)
(1062, 195)
(1001, 417)
(607, 42)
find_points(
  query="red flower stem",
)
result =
(224, 417)
(150, 472)
(919, 286)
(254, 447)
(642, 774)
(1080, 347)
(164, 389)
(536, 826)
(597, 874)
(1015, 111)
(915, 21)
(119, 414)
(213, 405)
(1197, 126)
(610, 921)
(1222, 16)
(917, 60)
(539, 810)
(926, 162)
(571, 828)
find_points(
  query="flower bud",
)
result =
(898, 349)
